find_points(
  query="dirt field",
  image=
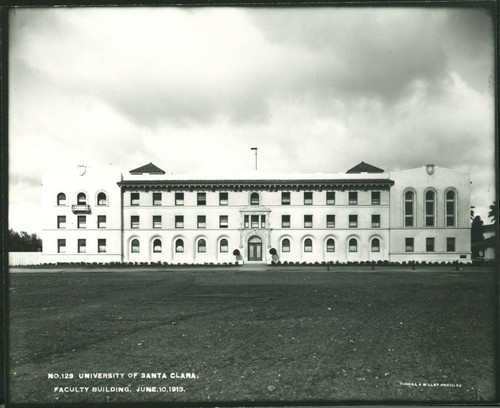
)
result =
(297, 335)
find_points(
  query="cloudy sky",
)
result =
(192, 89)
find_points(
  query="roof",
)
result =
(149, 168)
(490, 242)
(364, 168)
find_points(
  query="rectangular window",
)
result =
(353, 221)
(156, 198)
(156, 221)
(429, 244)
(330, 198)
(61, 221)
(308, 221)
(101, 246)
(179, 198)
(247, 221)
(409, 244)
(202, 199)
(353, 198)
(101, 221)
(202, 221)
(223, 221)
(254, 221)
(223, 198)
(375, 220)
(308, 197)
(134, 221)
(263, 221)
(61, 246)
(134, 199)
(82, 221)
(375, 197)
(179, 221)
(285, 221)
(330, 221)
(285, 198)
(82, 246)
(450, 244)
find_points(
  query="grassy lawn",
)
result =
(299, 336)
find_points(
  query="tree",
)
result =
(493, 212)
(23, 242)
(476, 234)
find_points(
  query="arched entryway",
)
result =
(255, 249)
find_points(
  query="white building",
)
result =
(365, 214)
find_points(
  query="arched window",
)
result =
(223, 245)
(375, 245)
(254, 199)
(353, 245)
(308, 245)
(409, 209)
(61, 199)
(157, 245)
(430, 208)
(81, 199)
(285, 245)
(202, 246)
(330, 245)
(179, 246)
(451, 208)
(102, 199)
(135, 246)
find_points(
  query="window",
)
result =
(254, 199)
(308, 245)
(102, 199)
(135, 246)
(353, 221)
(82, 246)
(179, 221)
(375, 220)
(179, 198)
(101, 246)
(353, 197)
(82, 221)
(223, 198)
(156, 221)
(134, 221)
(61, 246)
(101, 221)
(430, 208)
(247, 222)
(451, 206)
(308, 197)
(375, 245)
(409, 244)
(330, 245)
(330, 198)
(157, 245)
(353, 245)
(202, 221)
(285, 245)
(308, 221)
(134, 199)
(201, 199)
(375, 197)
(263, 221)
(61, 221)
(450, 244)
(223, 221)
(81, 199)
(330, 221)
(223, 245)
(61, 199)
(429, 244)
(285, 221)
(254, 221)
(409, 211)
(156, 199)
(202, 246)
(179, 246)
(285, 198)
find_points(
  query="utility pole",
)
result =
(255, 148)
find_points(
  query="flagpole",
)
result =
(255, 148)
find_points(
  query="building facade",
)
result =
(365, 214)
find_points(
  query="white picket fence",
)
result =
(25, 258)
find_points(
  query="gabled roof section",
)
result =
(149, 168)
(364, 168)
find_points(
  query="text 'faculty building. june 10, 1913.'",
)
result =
(365, 214)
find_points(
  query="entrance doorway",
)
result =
(255, 249)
